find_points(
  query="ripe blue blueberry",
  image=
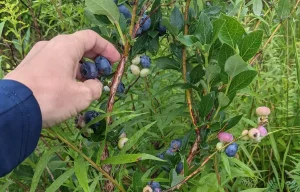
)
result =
(145, 61)
(103, 66)
(161, 30)
(154, 185)
(139, 31)
(175, 144)
(179, 167)
(145, 23)
(231, 149)
(89, 116)
(121, 88)
(89, 70)
(123, 9)
(170, 152)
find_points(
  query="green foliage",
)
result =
(222, 39)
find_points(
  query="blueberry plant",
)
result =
(163, 121)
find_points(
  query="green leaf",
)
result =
(139, 45)
(129, 158)
(176, 18)
(283, 9)
(250, 44)
(223, 99)
(243, 167)
(212, 71)
(255, 190)
(225, 52)
(167, 63)
(217, 26)
(4, 187)
(60, 180)
(226, 164)
(257, 7)
(241, 81)
(206, 104)
(231, 32)
(1, 28)
(134, 139)
(81, 173)
(41, 166)
(196, 74)
(235, 65)
(91, 17)
(204, 29)
(187, 40)
(172, 29)
(104, 7)
(231, 122)
(176, 178)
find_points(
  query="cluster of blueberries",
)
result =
(155, 187)
(145, 21)
(81, 120)
(101, 67)
(145, 62)
(174, 147)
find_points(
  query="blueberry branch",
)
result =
(189, 92)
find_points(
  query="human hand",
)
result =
(51, 68)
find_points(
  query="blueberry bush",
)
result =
(204, 98)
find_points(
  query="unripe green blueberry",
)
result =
(254, 133)
(135, 70)
(219, 146)
(144, 72)
(136, 60)
(245, 135)
(122, 142)
(106, 88)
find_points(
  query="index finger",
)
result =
(89, 42)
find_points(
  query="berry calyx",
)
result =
(175, 144)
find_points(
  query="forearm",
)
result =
(20, 124)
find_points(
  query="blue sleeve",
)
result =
(20, 124)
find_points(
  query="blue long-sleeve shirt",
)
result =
(20, 124)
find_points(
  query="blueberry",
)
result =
(231, 150)
(89, 70)
(121, 88)
(138, 32)
(154, 185)
(170, 152)
(123, 9)
(89, 116)
(145, 23)
(161, 156)
(179, 168)
(103, 66)
(145, 61)
(161, 30)
(157, 190)
(175, 144)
